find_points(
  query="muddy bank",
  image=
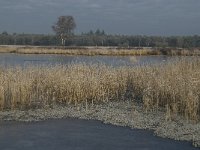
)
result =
(116, 113)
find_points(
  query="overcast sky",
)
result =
(144, 17)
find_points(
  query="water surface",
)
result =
(24, 59)
(74, 134)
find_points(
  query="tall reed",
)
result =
(174, 87)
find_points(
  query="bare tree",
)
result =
(64, 27)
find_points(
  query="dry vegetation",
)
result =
(172, 87)
(91, 51)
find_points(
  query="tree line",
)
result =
(65, 36)
(100, 38)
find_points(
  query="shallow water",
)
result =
(74, 134)
(24, 59)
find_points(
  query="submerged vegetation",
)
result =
(173, 87)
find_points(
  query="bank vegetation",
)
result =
(91, 51)
(173, 87)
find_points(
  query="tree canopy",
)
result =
(64, 27)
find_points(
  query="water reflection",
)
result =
(24, 59)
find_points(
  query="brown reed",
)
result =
(91, 51)
(173, 86)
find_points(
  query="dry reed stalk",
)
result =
(175, 85)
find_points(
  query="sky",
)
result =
(129, 17)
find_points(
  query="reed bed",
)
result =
(90, 51)
(173, 87)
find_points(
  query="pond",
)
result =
(70, 134)
(45, 59)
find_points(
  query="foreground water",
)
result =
(72, 134)
(24, 59)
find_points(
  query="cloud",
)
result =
(18, 7)
(95, 6)
(126, 16)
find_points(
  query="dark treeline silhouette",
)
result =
(100, 38)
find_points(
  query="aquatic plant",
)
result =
(174, 87)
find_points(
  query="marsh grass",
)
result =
(76, 51)
(173, 87)
(91, 51)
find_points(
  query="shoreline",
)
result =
(105, 51)
(119, 113)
